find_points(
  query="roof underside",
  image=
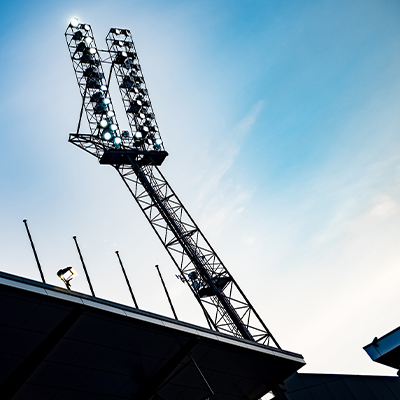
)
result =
(386, 350)
(342, 387)
(63, 345)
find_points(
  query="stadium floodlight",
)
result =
(144, 130)
(87, 63)
(74, 22)
(96, 97)
(93, 83)
(133, 91)
(128, 82)
(86, 58)
(78, 35)
(93, 71)
(128, 64)
(121, 57)
(100, 108)
(103, 123)
(117, 141)
(66, 275)
(113, 127)
(81, 47)
(107, 135)
(136, 159)
(135, 106)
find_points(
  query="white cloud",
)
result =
(217, 198)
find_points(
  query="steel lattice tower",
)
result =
(136, 155)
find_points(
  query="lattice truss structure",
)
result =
(136, 155)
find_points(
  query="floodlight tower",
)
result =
(136, 155)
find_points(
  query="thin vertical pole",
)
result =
(84, 267)
(34, 251)
(166, 292)
(109, 78)
(80, 115)
(126, 278)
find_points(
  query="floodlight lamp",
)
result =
(125, 133)
(138, 135)
(103, 88)
(135, 91)
(91, 71)
(92, 50)
(86, 27)
(146, 103)
(117, 141)
(88, 39)
(110, 113)
(87, 59)
(127, 82)
(153, 128)
(158, 142)
(113, 127)
(107, 135)
(103, 123)
(78, 35)
(135, 106)
(74, 22)
(66, 275)
(136, 67)
(193, 275)
(128, 63)
(81, 47)
(196, 285)
(97, 97)
(93, 83)
(106, 101)
(100, 108)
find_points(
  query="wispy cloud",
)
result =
(218, 198)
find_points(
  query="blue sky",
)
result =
(282, 124)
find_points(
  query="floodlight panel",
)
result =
(93, 87)
(142, 123)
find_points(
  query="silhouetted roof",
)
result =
(386, 350)
(57, 344)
